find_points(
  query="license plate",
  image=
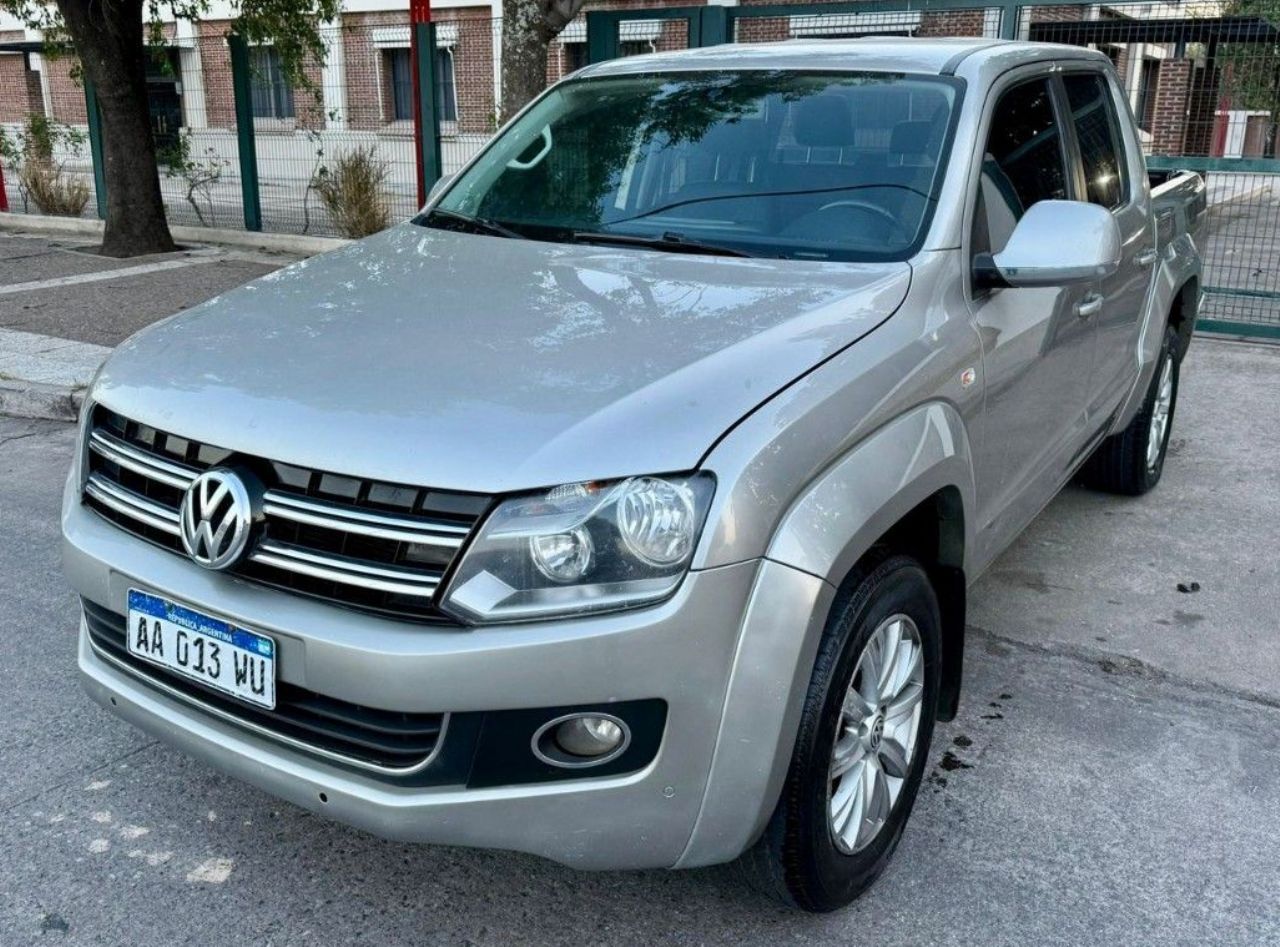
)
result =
(205, 649)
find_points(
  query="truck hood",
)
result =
(480, 363)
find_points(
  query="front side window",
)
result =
(1023, 163)
(1094, 114)
(770, 163)
(271, 94)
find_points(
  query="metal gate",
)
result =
(1204, 87)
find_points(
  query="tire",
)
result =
(809, 857)
(1130, 462)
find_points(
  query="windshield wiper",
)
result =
(671, 242)
(464, 224)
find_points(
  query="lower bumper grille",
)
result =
(383, 740)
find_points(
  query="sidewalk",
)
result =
(45, 377)
(63, 308)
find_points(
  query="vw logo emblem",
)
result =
(877, 732)
(215, 518)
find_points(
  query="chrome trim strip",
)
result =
(131, 504)
(346, 571)
(377, 525)
(267, 732)
(140, 462)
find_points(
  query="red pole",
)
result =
(4, 198)
(419, 12)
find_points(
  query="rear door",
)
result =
(1037, 348)
(1106, 177)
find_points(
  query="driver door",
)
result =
(1037, 344)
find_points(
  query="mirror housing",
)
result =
(1054, 244)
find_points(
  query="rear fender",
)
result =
(1177, 271)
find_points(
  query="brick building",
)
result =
(363, 92)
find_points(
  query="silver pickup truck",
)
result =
(621, 507)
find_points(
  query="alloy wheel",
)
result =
(1160, 415)
(877, 734)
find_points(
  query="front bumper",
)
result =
(690, 652)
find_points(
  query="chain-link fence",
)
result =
(1204, 86)
(44, 140)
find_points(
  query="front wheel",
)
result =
(1131, 461)
(862, 746)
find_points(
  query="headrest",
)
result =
(824, 121)
(913, 138)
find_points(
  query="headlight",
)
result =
(583, 547)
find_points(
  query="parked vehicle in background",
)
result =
(621, 507)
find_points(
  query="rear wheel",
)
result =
(1131, 462)
(862, 746)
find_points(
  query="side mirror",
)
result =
(1055, 243)
(439, 186)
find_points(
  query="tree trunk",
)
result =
(108, 38)
(528, 27)
(525, 36)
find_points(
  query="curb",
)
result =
(28, 399)
(296, 244)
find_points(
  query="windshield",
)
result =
(773, 164)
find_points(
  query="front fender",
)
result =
(873, 486)
(828, 528)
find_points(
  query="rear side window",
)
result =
(1094, 114)
(1023, 163)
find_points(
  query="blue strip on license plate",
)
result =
(209, 650)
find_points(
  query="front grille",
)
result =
(376, 546)
(361, 736)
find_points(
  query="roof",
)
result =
(875, 54)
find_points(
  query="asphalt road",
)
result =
(1114, 776)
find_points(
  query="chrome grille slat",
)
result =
(378, 525)
(117, 451)
(356, 553)
(345, 570)
(131, 504)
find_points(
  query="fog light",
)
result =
(589, 736)
(577, 741)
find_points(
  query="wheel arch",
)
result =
(1183, 311)
(906, 489)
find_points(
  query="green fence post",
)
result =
(95, 146)
(602, 36)
(714, 26)
(1010, 14)
(242, 90)
(428, 118)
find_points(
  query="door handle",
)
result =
(1090, 305)
(1146, 257)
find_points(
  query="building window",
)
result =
(1148, 82)
(399, 64)
(400, 71)
(271, 93)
